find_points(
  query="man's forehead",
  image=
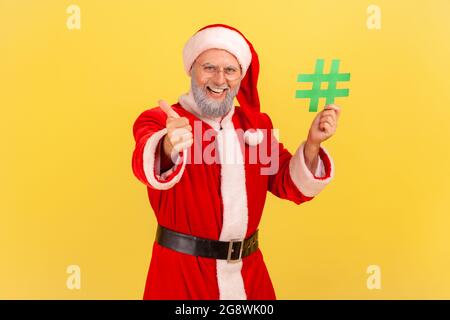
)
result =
(217, 56)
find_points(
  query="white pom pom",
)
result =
(252, 137)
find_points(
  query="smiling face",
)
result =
(215, 80)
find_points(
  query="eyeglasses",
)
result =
(230, 73)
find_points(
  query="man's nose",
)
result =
(219, 78)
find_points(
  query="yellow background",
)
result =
(69, 98)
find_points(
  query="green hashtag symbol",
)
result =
(317, 78)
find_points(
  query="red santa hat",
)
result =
(220, 36)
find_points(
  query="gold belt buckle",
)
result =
(231, 250)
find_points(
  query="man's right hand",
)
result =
(179, 131)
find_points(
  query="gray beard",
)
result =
(210, 108)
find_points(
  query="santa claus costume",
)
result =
(220, 201)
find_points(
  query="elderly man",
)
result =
(207, 179)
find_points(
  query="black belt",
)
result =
(232, 251)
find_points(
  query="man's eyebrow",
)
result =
(229, 66)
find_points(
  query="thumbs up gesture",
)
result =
(179, 131)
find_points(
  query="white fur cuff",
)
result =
(305, 181)
(151, 165)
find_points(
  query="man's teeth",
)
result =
(216, 90)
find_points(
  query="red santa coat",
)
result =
(222, 200)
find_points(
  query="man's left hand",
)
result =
(324, 125)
